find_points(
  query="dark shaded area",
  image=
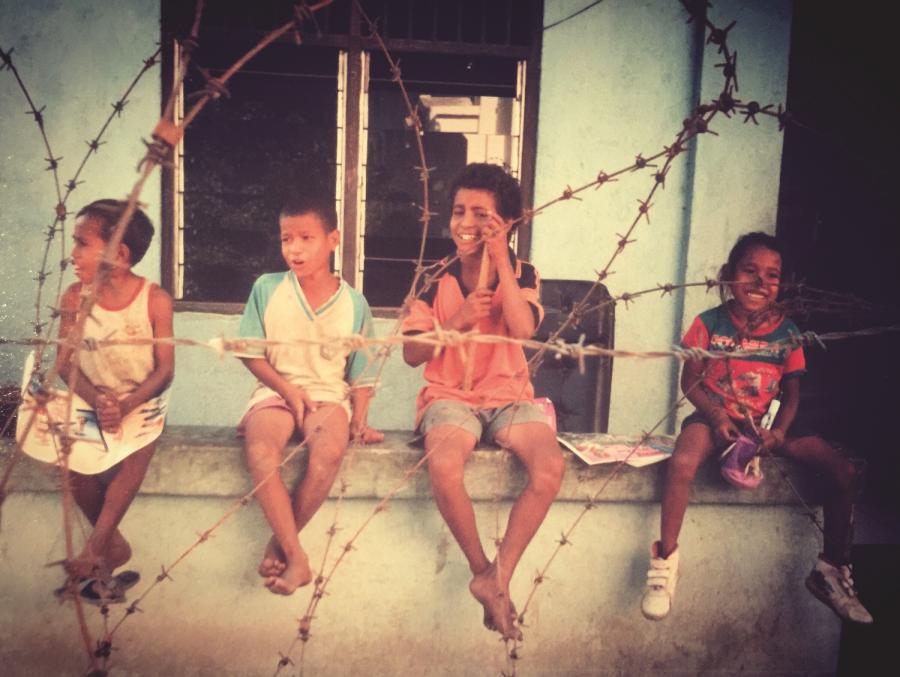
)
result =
(838, 219)
(869, 649)
(274, 137)
(580, 393)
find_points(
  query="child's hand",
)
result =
(476, 307)
(724, 429)
(109, 411)
(299, 402)
(493, 233)
(771, 439)
(360, 432)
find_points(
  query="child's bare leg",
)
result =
(89, 492)
(266, 435)
(694, 445)
(106, 548)
(536, 447)
(449, 447)
(327, 431)
(838, 503)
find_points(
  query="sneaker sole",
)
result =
(656, 617)
(651, 617)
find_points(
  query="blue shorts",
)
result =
(483, 424)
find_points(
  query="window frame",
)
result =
(354, 43)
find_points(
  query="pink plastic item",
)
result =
(738, 463)
(549, 410)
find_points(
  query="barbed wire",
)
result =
(439, 339)
(53, 164)
(166, 136)
(58, 227)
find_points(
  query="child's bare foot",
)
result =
(499, 611)
(295, 575)
(273, 561)
(489, 619)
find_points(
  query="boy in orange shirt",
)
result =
(499, 405)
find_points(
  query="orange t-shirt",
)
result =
(500, 376)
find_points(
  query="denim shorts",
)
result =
(483, 424)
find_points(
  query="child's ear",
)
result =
(334, 239)
(123, 256)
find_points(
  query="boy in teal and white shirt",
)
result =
(320, 389)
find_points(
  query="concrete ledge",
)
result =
(209, 461)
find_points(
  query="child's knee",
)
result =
(445, 467)
(327, 454)
(262, 453)
(845, 476)
(547, 477)
(682, 467)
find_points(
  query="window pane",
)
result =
(243, 155)
(465, 121)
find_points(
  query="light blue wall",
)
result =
(213, 390)
(617, 81)
(76, 58)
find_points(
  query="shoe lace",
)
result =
(846, 580)
(659, 573)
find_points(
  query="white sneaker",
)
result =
(661, 579)
(834, 586)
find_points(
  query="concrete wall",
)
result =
(617, 81)
(399, 603)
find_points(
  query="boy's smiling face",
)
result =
(306, 245)
(472, 211)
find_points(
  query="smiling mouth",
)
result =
(468, 237)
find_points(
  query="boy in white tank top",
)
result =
(115, 380)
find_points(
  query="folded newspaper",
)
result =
(594, 448)
(41, 427)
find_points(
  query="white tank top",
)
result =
(121, 368)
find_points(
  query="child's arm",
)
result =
(359, 428)
(790, 403)
(295, 396)
(414, 353)
(163, 353)
(517, 312)
(476, 306)
(724, 428)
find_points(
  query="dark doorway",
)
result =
(838, 217)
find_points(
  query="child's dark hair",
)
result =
(138, 232)
(299, 205)
(741, 248)
(484, 176)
